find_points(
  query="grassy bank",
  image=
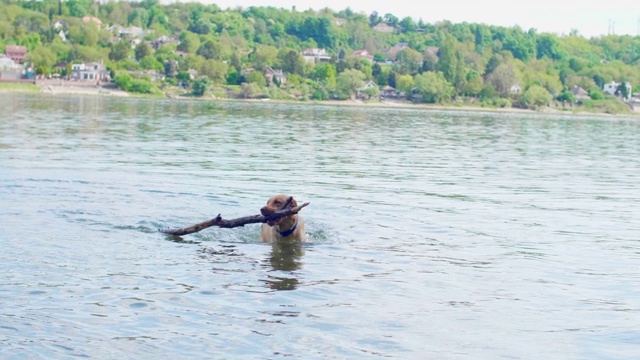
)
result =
(18, 87)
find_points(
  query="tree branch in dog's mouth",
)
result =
(242, 221)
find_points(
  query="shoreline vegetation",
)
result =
(189, 50)
(175, 94)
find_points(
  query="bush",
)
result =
(596, 94)
(320, 94)
(142, 86)
(199, 87)
(536, 97)
(124, 81)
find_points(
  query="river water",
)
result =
(432, 234)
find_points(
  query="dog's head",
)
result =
(276, 203)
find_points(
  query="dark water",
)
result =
(433, 234)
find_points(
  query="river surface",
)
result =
(432, 234)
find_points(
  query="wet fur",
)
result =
(270, 232)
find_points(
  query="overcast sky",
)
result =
(589, 17)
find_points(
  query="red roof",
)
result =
(15, 49)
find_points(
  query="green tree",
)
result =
(407, 25)
(256, 77)
(189, 42)
(120, 50)
(292, 62)
(350, 80)
(404, 83)
(150, 62)
(250, 90)
(503, 78)
(566, 96)
(264, 56)
(448, 59)
(143, 50)
(474, 83)
(408, 61)
(42, 56)
(434, 87)
(124, 81)
(209, 50)
(326, 74)
(215, 70)
(200, 86)
(536, 97)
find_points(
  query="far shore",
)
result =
(75, 88)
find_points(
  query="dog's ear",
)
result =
(294, 203)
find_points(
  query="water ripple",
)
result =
(432, 234)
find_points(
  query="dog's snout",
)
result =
(265, 211)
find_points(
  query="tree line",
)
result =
(232, 48)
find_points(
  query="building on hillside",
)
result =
(385, 28)
(361, 93)
(363, 54)
(579, 93)
(90, 72)
(388, 92)
(612, 89)
(395, 49)
(315, 55)
(163, 40)
(92, 18)
(270, 74)
(16, 53)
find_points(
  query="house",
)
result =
(271, 74)
(7, 64)
(90, 72)
(60, 67)
(9, 70)
(579, 93)
(385, 28)
(432, 50)
(612, 89)
(340, 21)
(91, 18)
(395, 49)
(163, 40)
(131, 32)
(363, 54)
(62, 35)
(16, 53)
(362, 93)
(388, 92)
(315, 55)
(59, 24)
(515, 89)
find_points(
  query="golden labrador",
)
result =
(289, 228)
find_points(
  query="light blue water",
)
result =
(433, 234)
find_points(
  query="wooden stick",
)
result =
(242, 221)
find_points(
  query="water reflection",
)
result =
(285, 257)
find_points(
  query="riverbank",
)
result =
(57, 87)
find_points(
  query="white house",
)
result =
(612, 87)
(315, 55)
(89, 72)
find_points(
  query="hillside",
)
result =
(282, 54)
